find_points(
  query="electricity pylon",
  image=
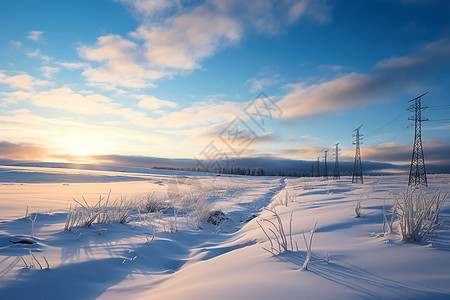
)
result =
(357, 169)
(417, 172)
(325, 168)
(318, 170)
(337, 173)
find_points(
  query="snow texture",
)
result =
(170, 250)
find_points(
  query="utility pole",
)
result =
(312, 170)
(357, 169)
(318, 169)
(325, 168)
(417, 172)
(337, 173)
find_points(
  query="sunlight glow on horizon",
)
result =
(141, 81)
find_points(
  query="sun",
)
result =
(83, 151)
(83, 143)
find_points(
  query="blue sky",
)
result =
(164, 78)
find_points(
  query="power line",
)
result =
(438, 120)
(388, 123)
(394, 135)
(439, 107)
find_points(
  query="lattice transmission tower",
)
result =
(337, 173)
(357, 169)
(318, 169)
(325, 168)
(417, 172)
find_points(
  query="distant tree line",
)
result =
(236, 170)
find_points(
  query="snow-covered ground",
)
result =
(192, 259)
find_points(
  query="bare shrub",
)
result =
(277, 235)
(152, 203)
(418, 214)
(358, 213)
(118, 211)
(26, 214)
(194, 205)
(388, 225)
(200, 209)
(172, 225)
(281, 242)
(288, 197)
(104, 212)
(72, 219)
(309, 247)
(32, 223)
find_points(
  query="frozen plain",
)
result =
(351, 257)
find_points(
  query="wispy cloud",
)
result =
(308, 138)
(152, 103)
(22, 81)
(72, 65)
(356, 89)
(38, 53)
(202, 136)
(34, 35)
(22, 152)
(202, 114)
(177, 44)
(304, 153)
(435, 151)
(152, 9)
(198, 114)
(91, 104)
(264, 79)
(49, 71)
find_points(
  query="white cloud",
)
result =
(37, 53)
(333, 68)
(262, 81)
(152, 8)
(122, 63)
(16, 44)
(178, 43)
(89, 104)
(73, 65)
(153, 103)
(67, 100)
(307, 138)
(201, 114)
(49, 71)
(22, 81)
(273, 16)
(305, 153)
(188, 38)
(34, 35)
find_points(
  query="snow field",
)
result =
(351, 257)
